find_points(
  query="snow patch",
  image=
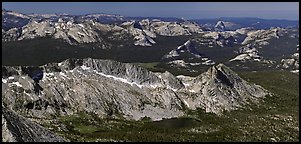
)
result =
(49, 74)
(119, 79)
(186, 103)
(81, 33)
(59, 64)
(63, 74)
(28, 94)
(178, 62)
(194, 64)
(172, 53)
(241, 57)
(295, 71)
(154, 86)
(193, 91)
(85, 67)
(81, 25)
(186, 84)
(17, 83)
(168, 87)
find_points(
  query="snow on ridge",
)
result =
(295, 71)
(81, 25)
(168, 87)
(4, 80)
(192, 91)
(119, 79)
(85, 67)
(186, 103)
(126, 80)
(172, 53)
(49, 74)
(59, 64)
(17, 83)
(186, 84)
(187, 43)
(63, 74)
(241, 57)
(80, 33)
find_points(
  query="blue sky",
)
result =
(187, 10)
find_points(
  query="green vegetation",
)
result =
(44, 50)
(153, 66)
(162, 67)
(278, 49)
(273, 119)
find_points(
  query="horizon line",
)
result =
(150, 16)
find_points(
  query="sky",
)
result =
(187, 10)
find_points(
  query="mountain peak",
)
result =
(224, 68)
(187, 54)
(221, 65)
(189, 47)
(220, 26)
(220, 23)
(97, 85)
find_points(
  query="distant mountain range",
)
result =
(257, 23)
(254, 22)
(234, 41)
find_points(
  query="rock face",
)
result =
(174, 28)
(291, 63)
(255, 40)
(188, 46)
(220, 26)
(11, 34)
(111, 88)
(186, 55)
(248, 54)
(253, 45)
(223, 26)
(221, 89)
(114, 89)
(221, 39)
(16, 128)
(102, 87)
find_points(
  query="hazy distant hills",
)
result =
(257, 23)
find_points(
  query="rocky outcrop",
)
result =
(186, 55)
(248, 54)
(222, 38)
(102, 87)
(221, 89)
(16, 128)
(111, 88)
(67, 30)
(255, 40)
(174, 28)
(224, 26)
(291, 63)
(11, 34)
